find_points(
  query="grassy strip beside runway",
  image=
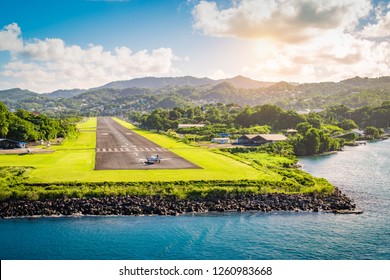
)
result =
(73, 161)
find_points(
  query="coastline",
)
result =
(336, 202)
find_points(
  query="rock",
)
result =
(133, 205)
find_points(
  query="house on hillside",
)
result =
(190, 125)
(291, 132)
(11, 144)
(259, 139)
(221, 140)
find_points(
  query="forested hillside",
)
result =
(147, 94)
(315, 132)
(26, 126)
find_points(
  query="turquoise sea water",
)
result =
(361, 172)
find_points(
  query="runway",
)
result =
(119, 148)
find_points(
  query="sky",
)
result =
(46, 45)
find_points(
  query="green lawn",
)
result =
(293, 179)
(74, 161)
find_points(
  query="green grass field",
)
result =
(69, 172)
(74, 160)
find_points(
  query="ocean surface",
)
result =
(361, 172)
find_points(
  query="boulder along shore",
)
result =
(170, 205)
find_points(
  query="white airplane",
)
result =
(153, 159)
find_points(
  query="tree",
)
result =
(315, 120)
(299, 145)
(189, 113)
(3, 120)
(338, 112)
(373, 132)
(307, 144)
(267, 114)
(303, 127)
(347, 124)
(174, 115)
(312, 141)
(21, 130)
(244, 118)
(289, 119)
(154, 121)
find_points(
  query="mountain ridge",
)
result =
(355, 92)
(161, 82)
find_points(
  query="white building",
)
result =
(224, 140)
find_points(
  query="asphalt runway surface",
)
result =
(119, 148)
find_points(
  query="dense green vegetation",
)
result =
(26, 126)
(149, 94)
(378, 116)
(317, 132)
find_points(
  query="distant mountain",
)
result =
(156, 83)
(281, 86)
(16, 94)
(65, 93)
(244, 82)
(17, 98)
(146, 94)
(224, 87)
(366, 82)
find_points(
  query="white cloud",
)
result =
(304, 41)
(323, 60)
(10, 38)
(47, 65)
(381, 28)
(284, 21)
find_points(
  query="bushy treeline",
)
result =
(365, 116)
(26, 126)
(317, 132)
(164, 119)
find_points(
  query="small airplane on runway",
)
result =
(153, 159)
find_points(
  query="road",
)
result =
(120, 148)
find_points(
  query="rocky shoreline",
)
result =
(156, 205)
